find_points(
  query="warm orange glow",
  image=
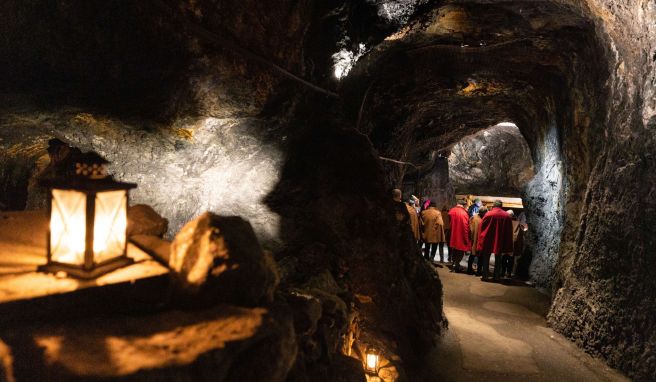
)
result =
(372, 362)
(68, 226)
(109, 226)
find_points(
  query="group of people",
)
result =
(467, 229)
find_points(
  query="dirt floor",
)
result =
(498, 333)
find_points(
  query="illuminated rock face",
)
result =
(495, 161)
(225, 166)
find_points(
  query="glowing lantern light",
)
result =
(88, 221)
(371, 362)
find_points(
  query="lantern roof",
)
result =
(86, 184)
(86, 172)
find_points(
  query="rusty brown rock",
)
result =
(144, 220)
(218, 259)
(6, 364)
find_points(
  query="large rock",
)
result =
(226, 343)
(493, 161)
(218, 259)
(144, 220)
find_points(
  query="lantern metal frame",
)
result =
(90, 269)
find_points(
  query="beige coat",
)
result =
(414, 221)
(433, 226)
(474, 229)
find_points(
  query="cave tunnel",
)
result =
(261, 242)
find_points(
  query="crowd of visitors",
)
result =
(467, 229)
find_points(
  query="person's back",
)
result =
(496, 232)
(401, 212)
(414, 220)
(475, 230)
(433, 232)
(460, 241)
(459, 219)
(496, 237)
(433, 225)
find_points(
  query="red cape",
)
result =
(496, 235)
(459, 229)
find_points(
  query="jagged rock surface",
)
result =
(219, 260)
(495, 161)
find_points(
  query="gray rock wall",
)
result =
(544, 199)
(226, 166)
(495, 161)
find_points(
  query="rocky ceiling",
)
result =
(469, 65)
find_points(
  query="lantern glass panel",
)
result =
(372, 362)
(110, 223)
(68, 226)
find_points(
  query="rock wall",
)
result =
(603, 294)
(226, 166)
(436, 184)
(545, 199)
(495, 161)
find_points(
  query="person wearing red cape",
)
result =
(459, 242)
(496, 236)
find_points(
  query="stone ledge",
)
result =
(225, 343)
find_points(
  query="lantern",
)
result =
(88, 221)
(371, 361)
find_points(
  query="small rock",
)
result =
(6, 364)
(143, 220)
(218, 259)
(307, 312)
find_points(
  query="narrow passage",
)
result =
(498, 333)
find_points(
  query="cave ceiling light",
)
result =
(345, 59)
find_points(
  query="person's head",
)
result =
(482, 211)
(432, 204)
(478, 202)
(498, 203)
(411, 202)
(462, 202)
(511, 213)
(396, 195)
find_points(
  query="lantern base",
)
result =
(81, 273)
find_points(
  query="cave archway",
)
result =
(463, 66)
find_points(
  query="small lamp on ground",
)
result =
(87, 236)
(371, 361)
